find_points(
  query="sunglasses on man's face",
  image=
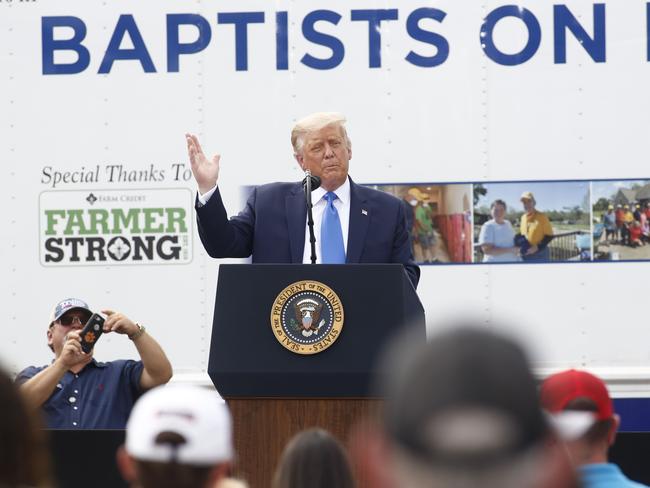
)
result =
(68, 320)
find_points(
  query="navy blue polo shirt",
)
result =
(100, 396)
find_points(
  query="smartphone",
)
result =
(91, 332)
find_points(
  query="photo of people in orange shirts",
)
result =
(621, 220)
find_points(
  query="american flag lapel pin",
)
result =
(364, 211)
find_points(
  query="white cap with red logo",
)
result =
(197, 419)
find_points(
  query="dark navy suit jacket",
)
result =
(272, 227)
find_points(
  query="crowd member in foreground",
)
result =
(24, 457)
(584, 415)
(231, 483)
(314, 458)
(178, 436)
(462, 411)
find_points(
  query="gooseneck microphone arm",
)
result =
(309, 184)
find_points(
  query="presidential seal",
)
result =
(307, 317)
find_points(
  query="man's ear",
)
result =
(300, 159)
(611, 435)
(49, 336)
(126, 465)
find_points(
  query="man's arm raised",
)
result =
(38, 389)
(157, 368)
(220, 236)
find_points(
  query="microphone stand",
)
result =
(310, 216)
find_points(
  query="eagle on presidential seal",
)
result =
(307, 317)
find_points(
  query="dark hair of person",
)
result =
(24, 453)
(316, 459)
(598, 432)
(498, 202)
(171, 474)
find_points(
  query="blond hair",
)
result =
(231, 483)
(314, 122)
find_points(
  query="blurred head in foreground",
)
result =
(231, 483)
(24, 457)
(583, 415)
(177, 436)
(313, 458)
(462, 411)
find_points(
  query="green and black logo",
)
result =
(115, 227)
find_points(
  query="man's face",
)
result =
(72, 320)
(326, 153)
(528, 204)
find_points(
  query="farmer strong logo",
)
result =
(107, 227)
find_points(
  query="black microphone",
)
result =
(309, 184)
(315, 182)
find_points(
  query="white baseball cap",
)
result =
(198, 415)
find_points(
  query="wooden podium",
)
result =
(263, 426)
(274, 393)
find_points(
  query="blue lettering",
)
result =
(563, 19)
(534, 35)
(419, 34)
(311, 34)
(281, 41)
(126, 23)
(241, 21)
(175, 48)
(374, 18)
(50, 45)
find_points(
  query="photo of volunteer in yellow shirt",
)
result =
(537, 229)
(549, 220)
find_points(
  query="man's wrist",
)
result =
(204, 196)
(59, 366)
(138, 333)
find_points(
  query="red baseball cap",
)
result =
(560, 389)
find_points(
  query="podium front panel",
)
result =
(246, 359)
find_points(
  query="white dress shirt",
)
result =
(342, 205)
(203, 199)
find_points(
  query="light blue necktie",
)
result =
(331, 236)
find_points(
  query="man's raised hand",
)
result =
(205, 171)
(71, 354)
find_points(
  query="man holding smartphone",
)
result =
(77, 392)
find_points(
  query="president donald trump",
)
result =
(352, 223)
